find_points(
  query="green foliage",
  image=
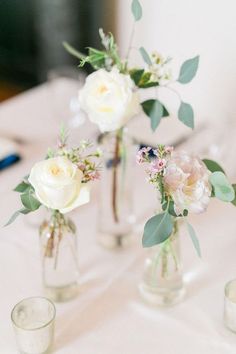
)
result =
(234, 201)
(223, 190)
(17, 213)
(186, 115)
(142, 79)
(155, 110)
(157, 229)
(212, 166)
(194, 239)
(188, 70)
(71, 50)
(145, 56)
(29, 201)
(22, 187)
(136, 9)
(136, 75)
(171, 209)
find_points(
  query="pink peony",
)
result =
(186, 179)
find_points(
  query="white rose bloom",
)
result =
(109, 99)
(187, 180)
(57, 184)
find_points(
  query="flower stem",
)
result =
(115, 177)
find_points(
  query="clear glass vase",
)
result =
(58, 243)
(116, 218)
(162, 283)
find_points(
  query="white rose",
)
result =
(57, 184)
(187, 180)
(109, 99)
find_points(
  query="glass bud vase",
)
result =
(115, 218)
(58, 245)
(162, 283)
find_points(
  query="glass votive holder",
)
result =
(230, 305)
(33, 321)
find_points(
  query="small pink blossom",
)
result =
(141, 154)
(168, 149)
(156, 167)
(81, 166)
(94, 175)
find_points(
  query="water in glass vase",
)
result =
(162, 283)
(116, 218)
(59, 258)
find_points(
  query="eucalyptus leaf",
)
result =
(186, 115)
(194, 239)
(155, 110)
(22, 187)
(136, 10)
(29, 201)
(188, 70)
(234, 201)
(171, 209)
(212, 166)
(17, 213)
(223, 190)
(157, 229)
(145, 56)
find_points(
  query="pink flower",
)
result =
(81, 166)
(142, 154)
(168, 149)
(94, 175)
(157, 166)
(186, 179)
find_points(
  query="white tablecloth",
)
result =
(109, 317)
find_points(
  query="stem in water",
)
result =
(115, 176)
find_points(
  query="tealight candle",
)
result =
(33, 322)
(230, 305)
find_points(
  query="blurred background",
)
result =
(31, 35)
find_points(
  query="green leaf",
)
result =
(234, 201)
(148, 84)
(96, 58)
(29, 201)
(171, 209)
(186, 115)
(136, 10)
(17, 213)
(212, 166)
(155, 110)
(157, 229)
(223, 190)
(194, 239)
(145, 56)
(73, 51)
(136, 75)
(22, 187)
(188, 70)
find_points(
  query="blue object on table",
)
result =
(9, 160)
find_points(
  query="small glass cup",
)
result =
(33, 321)
(230, 305)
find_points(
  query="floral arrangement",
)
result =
(110, 96)
(61, 181)
(185, 184)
